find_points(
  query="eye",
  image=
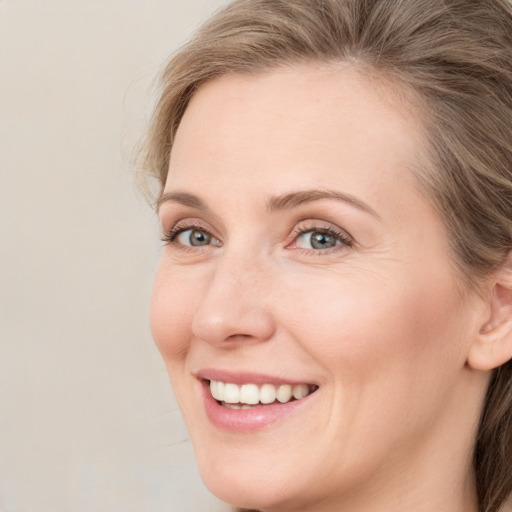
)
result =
(193, 237)
(320, 239)
(317, 240)
(188, 236)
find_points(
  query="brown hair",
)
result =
(455, 56)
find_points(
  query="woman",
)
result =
(334, 299)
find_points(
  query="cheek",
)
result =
(383, 337)
(391, 356)
(172, 305)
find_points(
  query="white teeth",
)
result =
(237, 406)
(231, 393)
(214, 386)
(300, 391)
(267, 394)
(284, 393)
(217, 389)
(250, 394)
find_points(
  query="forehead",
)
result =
(310, 124)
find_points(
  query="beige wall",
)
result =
(87, 421)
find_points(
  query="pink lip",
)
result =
(245, 420)
(245, 377)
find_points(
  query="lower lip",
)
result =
(247, 420)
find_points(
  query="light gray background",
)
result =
(87, 420)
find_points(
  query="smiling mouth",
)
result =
(249, 396)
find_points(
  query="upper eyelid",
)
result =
(320, 225)
(184, 224)
(329, 231)
(331, 228)
(171, 214)
(344, 239)
(169, 234)
(177, 231)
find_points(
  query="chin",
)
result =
(261, 478)
(245, 484)
(247, 492)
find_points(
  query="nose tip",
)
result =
(226, 321)
(233, 309)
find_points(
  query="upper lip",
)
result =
(241, 377)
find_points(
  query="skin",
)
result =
(380, 324)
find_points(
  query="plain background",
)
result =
(87, 419)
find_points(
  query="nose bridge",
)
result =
(234, 304)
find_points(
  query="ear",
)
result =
(493, 344)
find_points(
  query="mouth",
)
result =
(251, 396)
(245, 402)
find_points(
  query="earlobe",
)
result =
(493, 344)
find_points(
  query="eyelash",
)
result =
(346, 240)
(175, 231)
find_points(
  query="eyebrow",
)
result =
(276, 203)
(183, 198)
(295, 199)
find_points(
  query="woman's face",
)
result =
(301, 257)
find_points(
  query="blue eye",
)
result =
(317, 240)
(190, 236)
(193, 237)
(320, 239)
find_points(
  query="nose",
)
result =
(235, 306)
